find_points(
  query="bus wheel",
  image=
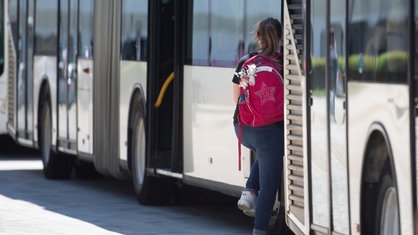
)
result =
(55, 166)
(387, 213)
(148, 189)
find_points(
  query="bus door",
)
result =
(329, 181)
(337, 33)
(85, 78)
(164, 120)
(67, 75)
(24, 72)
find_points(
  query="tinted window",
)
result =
(221, 31)
(134, 30)
(85, 46)
(46, 27)
(378, 42)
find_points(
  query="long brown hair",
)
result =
(269, 33)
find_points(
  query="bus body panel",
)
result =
(84, 77)
(44, 70)
(373, 46)
(85, 106)
(132, 74)
(387, 106)
(210, 143)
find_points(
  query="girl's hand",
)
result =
(243, 83)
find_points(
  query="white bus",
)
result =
(89, 82)
(84, 77)
(351, 124)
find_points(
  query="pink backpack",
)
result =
(261, 102)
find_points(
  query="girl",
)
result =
(266, 141)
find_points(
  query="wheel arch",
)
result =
(377, 153)
(378, 161)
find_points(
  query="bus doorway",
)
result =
(24, 98)
(67, 76)
(164, 111)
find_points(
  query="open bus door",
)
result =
(317, 153)
(164, 147)
(163, 127)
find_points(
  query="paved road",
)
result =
(30, 204)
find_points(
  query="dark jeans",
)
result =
(268, 144)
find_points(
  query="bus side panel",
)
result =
(85, 106)
(386, 106)
(210, 143)
(85, 78)
(132, 74)
(44, 67)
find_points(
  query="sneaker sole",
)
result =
(250, 213)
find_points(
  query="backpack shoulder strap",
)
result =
(270, 66)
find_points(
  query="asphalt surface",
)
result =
(31, 204)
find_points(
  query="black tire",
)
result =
(54, 166)
(387, 212)
(148, 189)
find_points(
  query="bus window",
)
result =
(222, 31)
(46, 29)
(254, 12)
(216, 37)
(378, 42)
(85, 45)
(134, 30)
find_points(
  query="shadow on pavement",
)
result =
(9, 148)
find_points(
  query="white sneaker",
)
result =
(247, 203)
